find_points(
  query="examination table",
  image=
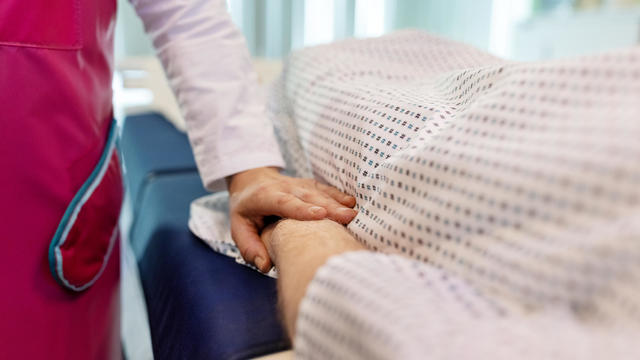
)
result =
(201, 305)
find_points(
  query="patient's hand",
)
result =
(299, 249)
(257, 193)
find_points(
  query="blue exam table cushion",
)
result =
(152, 146)
(201, 305)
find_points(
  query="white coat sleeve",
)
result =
(209, 68)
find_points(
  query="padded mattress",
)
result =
(201, 305)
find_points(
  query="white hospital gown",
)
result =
(502, 199)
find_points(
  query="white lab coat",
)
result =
(209, 68)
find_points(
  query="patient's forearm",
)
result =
(298, 249)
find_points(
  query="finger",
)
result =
(335, 210)
(339, 196)
(245, 234)
(266, 235)
(287, 205)
(342, 215)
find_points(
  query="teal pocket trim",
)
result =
(72, 211)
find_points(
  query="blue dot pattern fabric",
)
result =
(500, 200)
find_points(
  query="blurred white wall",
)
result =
(514, 29)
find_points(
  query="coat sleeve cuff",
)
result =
(214, 173)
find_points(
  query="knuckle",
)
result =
(262, 194)
(261, 188)
(301, 209)
(305, 195)
(284, 199)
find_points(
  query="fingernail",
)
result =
(315, 209)
(259, 260)
(349, 211)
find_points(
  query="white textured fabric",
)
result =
(365, 305)
(521, 180)
(504, 196)
(209, 68)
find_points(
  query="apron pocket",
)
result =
(86, 236)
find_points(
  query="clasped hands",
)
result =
(259, 193)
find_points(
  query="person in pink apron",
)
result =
(61, 186)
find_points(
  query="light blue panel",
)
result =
(297, 24)
(249, 24)
(344, 18)
(277, 29)
(467, 21)
(130, 38)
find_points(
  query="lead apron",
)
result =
(60, 181)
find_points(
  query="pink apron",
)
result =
(60, 181)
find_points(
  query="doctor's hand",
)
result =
(263, 192)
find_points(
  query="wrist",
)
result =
(299, 249)
(314, 241)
